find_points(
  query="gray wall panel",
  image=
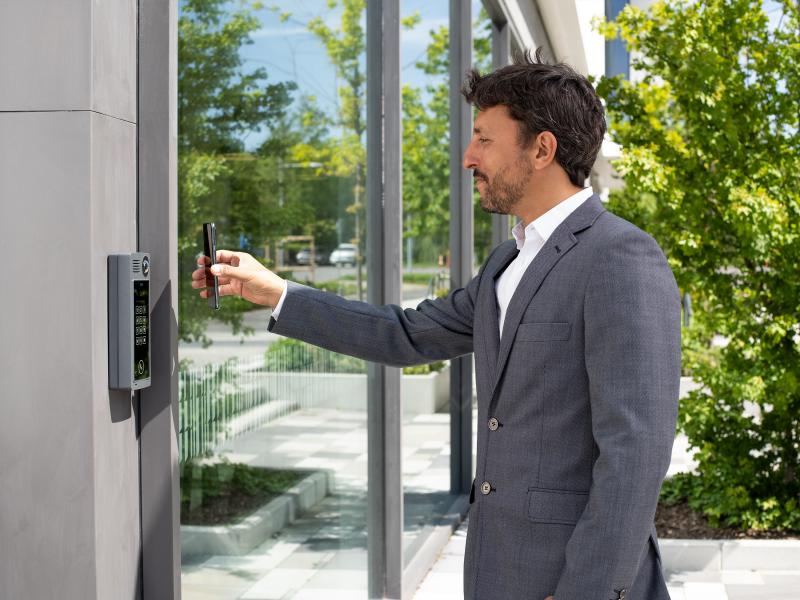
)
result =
(114, 58)
(69, 504)
(116, 479)
(45, 55)
(77, 55)
(47, 527)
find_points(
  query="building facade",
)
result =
(91, 151)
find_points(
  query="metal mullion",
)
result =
(461, 241)
(384, 238)
(500, 55)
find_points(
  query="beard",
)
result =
(506, 188)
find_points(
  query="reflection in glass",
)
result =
(426, 207)
(273, 440)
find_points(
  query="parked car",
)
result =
(345, 254)
(303, 256)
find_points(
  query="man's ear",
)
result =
(545, 146)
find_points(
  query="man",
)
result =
(575, 327)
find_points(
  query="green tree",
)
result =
(426, 144)
(345, 155)
(219, 101)
(711, 163)
(425, 127)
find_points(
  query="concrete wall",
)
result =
(69, 498)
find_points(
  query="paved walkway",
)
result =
(444, 580)
(323, 554)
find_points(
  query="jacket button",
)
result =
(494, 424)
(486, 488)
(623, 594)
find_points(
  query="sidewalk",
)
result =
(322, 555)
(444, 580)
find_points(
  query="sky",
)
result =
(289, 52)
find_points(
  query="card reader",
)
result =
(129, 321)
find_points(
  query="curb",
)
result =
(729, 555)
(240, 538)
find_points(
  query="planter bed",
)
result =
(242, 537)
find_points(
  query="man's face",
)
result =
(501, 167)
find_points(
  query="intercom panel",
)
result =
(129, 321)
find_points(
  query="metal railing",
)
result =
(222, 401)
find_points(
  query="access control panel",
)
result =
(129, 321)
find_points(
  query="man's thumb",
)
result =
(227, 270)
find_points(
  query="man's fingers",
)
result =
(227, 290)
(223, 256)
(224, 290)
(227, 256)
(228, 272)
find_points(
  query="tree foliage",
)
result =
(255, 197)
(311, 166)
(218, 99)
(711, 163)
(426, 144)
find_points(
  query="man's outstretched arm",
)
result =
(435, 330)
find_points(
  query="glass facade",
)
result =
(428, 497)
(273, 432)
(426, 199)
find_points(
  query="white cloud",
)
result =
(269, 32)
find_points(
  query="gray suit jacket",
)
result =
(576, 405)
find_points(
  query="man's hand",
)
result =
(549, 598)
(240, 274)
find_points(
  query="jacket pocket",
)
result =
(556, 506)
(543, 332)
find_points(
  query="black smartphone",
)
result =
(210, 250)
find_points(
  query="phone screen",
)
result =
(210, 250)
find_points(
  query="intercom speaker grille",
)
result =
(137, 265)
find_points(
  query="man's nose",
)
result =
(469, 162)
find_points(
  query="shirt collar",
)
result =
(544, 226)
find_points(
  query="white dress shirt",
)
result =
(530, 240)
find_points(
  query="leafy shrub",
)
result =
(296, 356)
(711, 163)
(424, 369)
(224, 490)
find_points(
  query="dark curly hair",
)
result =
(545, 97)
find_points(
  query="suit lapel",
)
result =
(491, 336)
(557, 246)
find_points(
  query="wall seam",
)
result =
(67, 110)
